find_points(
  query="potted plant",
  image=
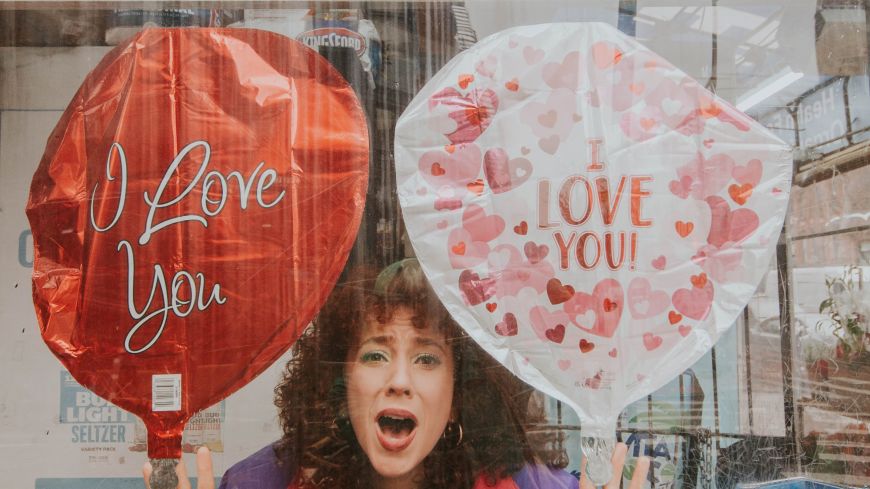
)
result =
(848, 309)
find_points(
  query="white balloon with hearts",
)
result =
(594, 218)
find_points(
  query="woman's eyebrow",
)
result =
(379, 340)
(425, 341)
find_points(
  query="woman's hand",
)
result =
(204, 471)
(618, 460)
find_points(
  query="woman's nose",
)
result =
(400, 383)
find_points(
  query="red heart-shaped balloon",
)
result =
(193, 208)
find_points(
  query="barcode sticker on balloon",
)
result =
(166, 392)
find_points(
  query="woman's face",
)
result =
(399, 392)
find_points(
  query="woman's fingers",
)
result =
(617, 460)
(204, 470)
(584, 481)
(641, 469)
(146, 474)
(181, 472)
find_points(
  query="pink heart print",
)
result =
(643, 301)
(440, 168)
(508, 325)
(694, 303)
(514, 274)
(727, 226)
(565, 74)
(464, 251)
(606, 301)
(479, 225)
(472, 113)
(544, 320)
(651, 341)
(503, 174)
(749, 173)
(532, 54)
(475, 290)
(706, 176)
(535, 252)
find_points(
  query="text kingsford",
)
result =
(333, 37)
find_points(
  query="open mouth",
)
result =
(396, 428)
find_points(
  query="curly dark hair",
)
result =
(318, 446)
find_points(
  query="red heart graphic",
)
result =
(450, 148)
(660, 262)
(699, 281)
(534, 252)
(674, 317)
(491, 306)
(586, 346)
(609, 305)
(558, 293)
(458, 248)
(606, 322)
(651, 341)
(474, 289)
(543, 320)
(684, 228)
(465, 80)
(508, 326)
(522, 228)
(557, 334)
(512, 85)
(472, 113)
(238, 281)
(475, 187)
(684, 330)
(612, 353)
(740, 193)
(437, 170)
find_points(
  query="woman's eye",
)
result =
(428, 360)
(373, 356)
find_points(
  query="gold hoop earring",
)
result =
(453, 430)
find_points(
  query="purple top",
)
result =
(261, 471)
